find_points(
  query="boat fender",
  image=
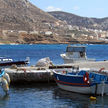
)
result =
(86, 78)
(5, 85)
(6, 76)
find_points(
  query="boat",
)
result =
(4, 61)
(75, 54)
(82, 81)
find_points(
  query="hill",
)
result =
(19, 17)
(75, 20)
(22, 15)
(21, 22)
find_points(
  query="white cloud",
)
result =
(76, 8)
(51, 8)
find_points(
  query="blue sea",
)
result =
(48, 95)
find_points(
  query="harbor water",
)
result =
(44, 94)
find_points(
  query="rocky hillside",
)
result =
(22, 15)
(22, 22)
(74, 20)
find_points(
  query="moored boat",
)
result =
(75, 54)
(9, 62)
(82, 81)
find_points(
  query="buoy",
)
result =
(5, 85)
(92, 98)
(86, 78)
(6, 76)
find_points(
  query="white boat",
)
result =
(82, 81)
(75, 54)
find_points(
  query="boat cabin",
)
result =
(75, 54)
(76, 51)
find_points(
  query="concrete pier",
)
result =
(26, 74)
(33, 74)
(93, 65)
(45, 74)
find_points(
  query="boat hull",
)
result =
(85, 90)
(14, 63)
(75, 83)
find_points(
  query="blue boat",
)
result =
(82, 81)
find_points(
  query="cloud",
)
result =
(76, 8)
(51, 8)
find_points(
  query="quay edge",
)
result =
(33, 74)
(29, 76)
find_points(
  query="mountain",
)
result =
(75, 20)
(22, 15)
(21, 22)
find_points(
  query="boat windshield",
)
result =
(75, 49)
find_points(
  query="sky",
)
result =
(85, 8)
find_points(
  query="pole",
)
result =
(96, 90)
(103, 86)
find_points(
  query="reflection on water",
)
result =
(3, 100)
(71, 99)
(48, 96)
(77, 100)
(4, 97)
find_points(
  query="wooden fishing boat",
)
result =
(82, 81)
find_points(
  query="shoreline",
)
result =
(98, 43)
(69, 42)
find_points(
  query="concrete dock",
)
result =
(33, 74)
(93, 65)
(45, 74)
(25, 74)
